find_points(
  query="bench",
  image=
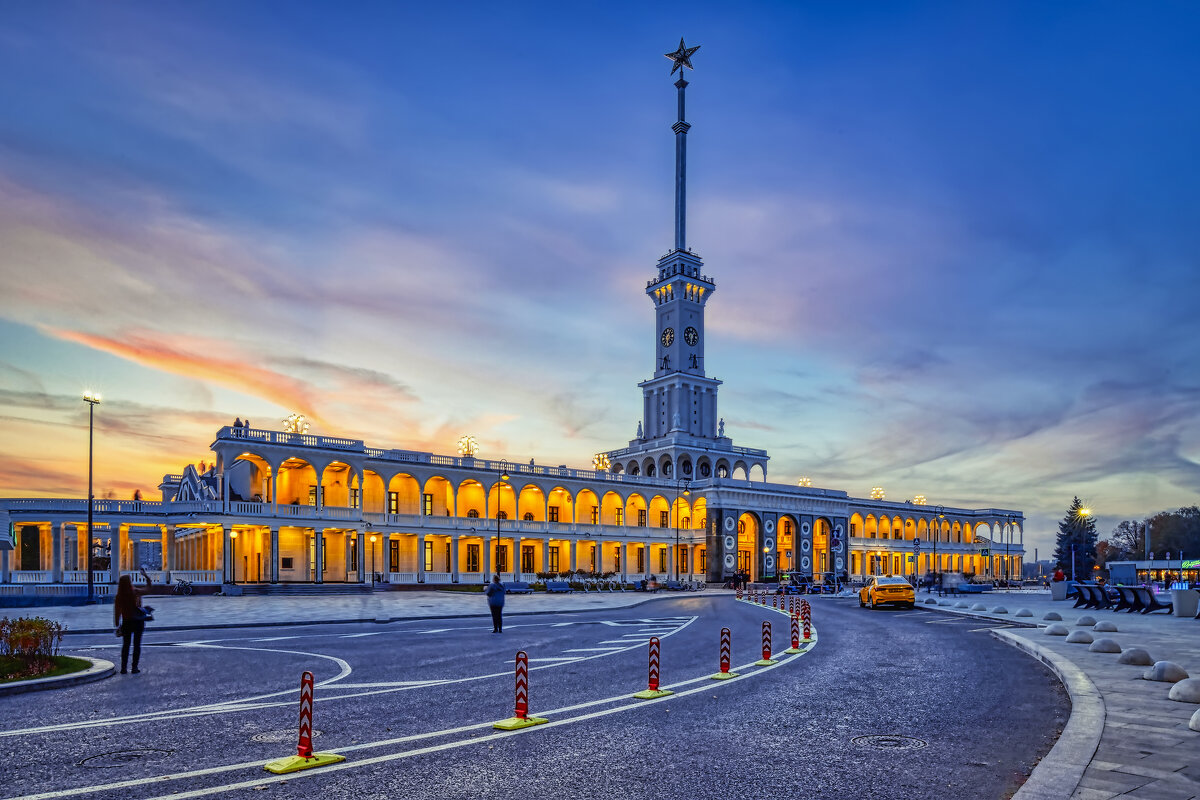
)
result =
(558, 587)
(1150, 602)
(518, 587)
(673, 586)
(1128, 601)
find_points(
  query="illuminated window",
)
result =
(641, 517)
(393, 502)
(641, 560)
(703, 559)
(353, 497)
(428, 554)
(595, 515)
(353, 565)
(472, 558)
(501, 515)
(787, 528)
(527, 558)
(394, 555)
(662, 560)
(620, 516)
(554, 559)
(312, 495)
(427, 505)
(741, 526)
(664, 519)
(593, 558)
(617, 559)
(528, 516)
(473, 514)
(683, 559)
(554, 513)
(501, 558)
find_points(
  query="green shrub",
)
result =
(33, 641)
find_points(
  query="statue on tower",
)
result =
(721, 428)
(640, 435)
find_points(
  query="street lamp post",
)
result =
(373, 537)
(680, 484)
(503, 476)
(92, 399)
(937, 566)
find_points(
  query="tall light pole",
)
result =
(680, 484)
(503, 476)
(373, 537)
(941, 515)
(92, 399)
(233, 534)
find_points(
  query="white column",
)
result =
(454, 558)
(168, 551)
(318, 555)
(649, 553)
(487, 559)
(421, 558)
(227, 553)
(623, 549)
(574, 548)
(362, 553)
(546, 554)
(114, 552)
(56, 548)
(4, 568)
(275, 492)
(274, 555)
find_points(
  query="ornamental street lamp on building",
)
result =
(941, 515)
(682, 484)
(373, 538)
(92, 399)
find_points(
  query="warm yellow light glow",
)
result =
(373, 538)
(91, 397)
(468, 446)
(805, 481)
(503, 476)
(877, 493)
(295, 423)
(233, 534)
(1083, 512)
(687, 492)
(919, 500)
(600, 462)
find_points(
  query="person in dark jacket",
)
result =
(495, 600)
(129, 617)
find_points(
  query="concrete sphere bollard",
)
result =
(960, 605)
(1057, 630)
(1023, 612)
(999, 610)
(1089, 621)
(979, 607)
(1186, 691)
(1195, 723)
(1053, 616)
(1103, 646)
(931, 602)
(1079, 637)
(1104, 626)
(1165, 671)
(1135, 656)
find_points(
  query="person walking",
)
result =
(129, 618)
(495, 599)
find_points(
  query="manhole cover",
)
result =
(888, 742)
(289, 735)
(120, 758)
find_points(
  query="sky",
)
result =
(955, 244)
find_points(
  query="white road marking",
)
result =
(360, 635)
(590, 649)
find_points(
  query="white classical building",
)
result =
(681, 499)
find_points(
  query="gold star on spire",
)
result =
(682, 57)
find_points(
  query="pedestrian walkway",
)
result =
(210, 611)
(1126, 738)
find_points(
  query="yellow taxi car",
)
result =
(884, 590)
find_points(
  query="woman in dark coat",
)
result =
(130, 620)
(495, 600)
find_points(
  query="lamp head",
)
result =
(233, 534)
(91, 397)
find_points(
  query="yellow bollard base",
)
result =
(282, 766)
(516, 723)
(765, 662)
(809, 640)
(650, 694)
(793, 650)
(723, 676)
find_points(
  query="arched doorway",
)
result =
(748, 545)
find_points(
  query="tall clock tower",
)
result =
(681, 425)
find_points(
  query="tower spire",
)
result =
(681, 58)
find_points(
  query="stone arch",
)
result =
(610, 505)
(762, 472)
(296, 483)
(740, 471)
(822, 551)
(560, 503)
(704, 468)
(910, 529)
(857, 526)
(531, 500)
(633, 504)
(666, 467)
(788, 529)
(634, 468)
(658, 510)
(956, 532)
(722, 468)
(472, 502)
(403, 494)
(699, 514)
(897, 528)
(749, 545)
(255, 484)
(371, 496)
(686, 467)
(681, 509)
(502, 499)
(871, 527)
(649, 469)
(439, 492)
(585, 501)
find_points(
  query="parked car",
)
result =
(887, 590)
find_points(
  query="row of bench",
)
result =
(1129, 599)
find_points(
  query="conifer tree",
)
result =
(1077, 533)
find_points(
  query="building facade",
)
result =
(680, 500)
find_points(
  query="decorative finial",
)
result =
(682, 57)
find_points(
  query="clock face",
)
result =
(668, 336)
(691, 335)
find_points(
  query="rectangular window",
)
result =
(428, 555)
(683, 559)
(472, 558)
(427, 505)
(312, 495)
(641, 560)
(620, 516)
(393, 503)
(664, 519)
(285, 562)
(394, 555)
(353, 565)
(641, 517)
(617, 558)
(662, 560)
(703, 559)
(595, 515)
(554, 513)
(554, 559)
(787, 527)
(501, 558)
(449, 565)
(854, 529)
(527, 558)
(593, 558)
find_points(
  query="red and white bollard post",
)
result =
(305, 758)
(652, 691)
(726, 656)
(807, 631)
(795, 648)
(775, 602)
(520, 717)
(766, 646)
(739, 591)
(805, 610)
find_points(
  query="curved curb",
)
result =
(1058, 774)
(99, 670)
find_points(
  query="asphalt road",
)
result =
(411, 704)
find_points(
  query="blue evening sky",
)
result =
(956, 245)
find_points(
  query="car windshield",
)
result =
(885, 581)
